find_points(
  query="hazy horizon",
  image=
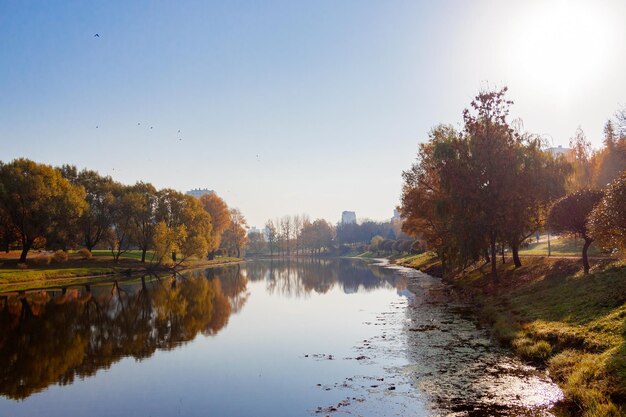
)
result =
(285, 108)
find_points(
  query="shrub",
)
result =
(60, 256)
(85, 254)
(43, 260)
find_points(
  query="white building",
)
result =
(558, 151)
(348, 217)
(199, 192)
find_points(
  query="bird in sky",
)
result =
(178, 130)
(96, 127)
(138, 124)
(96, 35)
(150, 127)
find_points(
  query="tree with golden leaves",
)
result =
(220, 219)
(37, 200)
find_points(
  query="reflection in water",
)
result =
(299, 277)
(324, 335)
(49, 337)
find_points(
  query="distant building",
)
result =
(348, 217)
(199, 192)
(560, 151)
(396, 216)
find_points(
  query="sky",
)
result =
(289, 107)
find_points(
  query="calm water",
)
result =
(313, 337)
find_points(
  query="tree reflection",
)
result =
(49, 337)
(299, 277)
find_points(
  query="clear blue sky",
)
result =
(333, 96)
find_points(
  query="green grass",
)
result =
(425, 262)
(550, 313)
(14, 276)
(131, 254)
(563, 246)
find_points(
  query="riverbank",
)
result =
(550, 314)
(75, 270)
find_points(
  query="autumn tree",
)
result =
(119, 235)
(143, 199)
(611, 160)
(480, 189)
(220, 219)
(569, 214)
(582, 176)
(183, 227)
(540, 179)
(8, 233)
(235, 237)
(317, 235)
(426, 203)
(37, 199)
(607, 222)
(97, 218)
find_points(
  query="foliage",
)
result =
(60, 256)
(220, 218)
(38, 202)
(607, 222)
(85, 253)
(98, 217)
(235, 237)
(474, 191)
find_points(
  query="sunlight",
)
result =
(563, 46)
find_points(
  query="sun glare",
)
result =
(563, 46)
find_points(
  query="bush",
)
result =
(43, 260)
(85, 254)
(60, 256)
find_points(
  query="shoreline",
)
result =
(96, 277)
(549, 314)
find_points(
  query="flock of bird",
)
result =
(97, 35)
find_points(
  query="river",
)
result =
(306, 337)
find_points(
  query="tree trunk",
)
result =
(494, 271)
(502, 253)
(211, 255)
(26, 245)
(515, 251)
(588, 242)
(143, 256)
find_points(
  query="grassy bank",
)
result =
(15, 276)
(552, 315)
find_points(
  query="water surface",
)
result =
(267, 338)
